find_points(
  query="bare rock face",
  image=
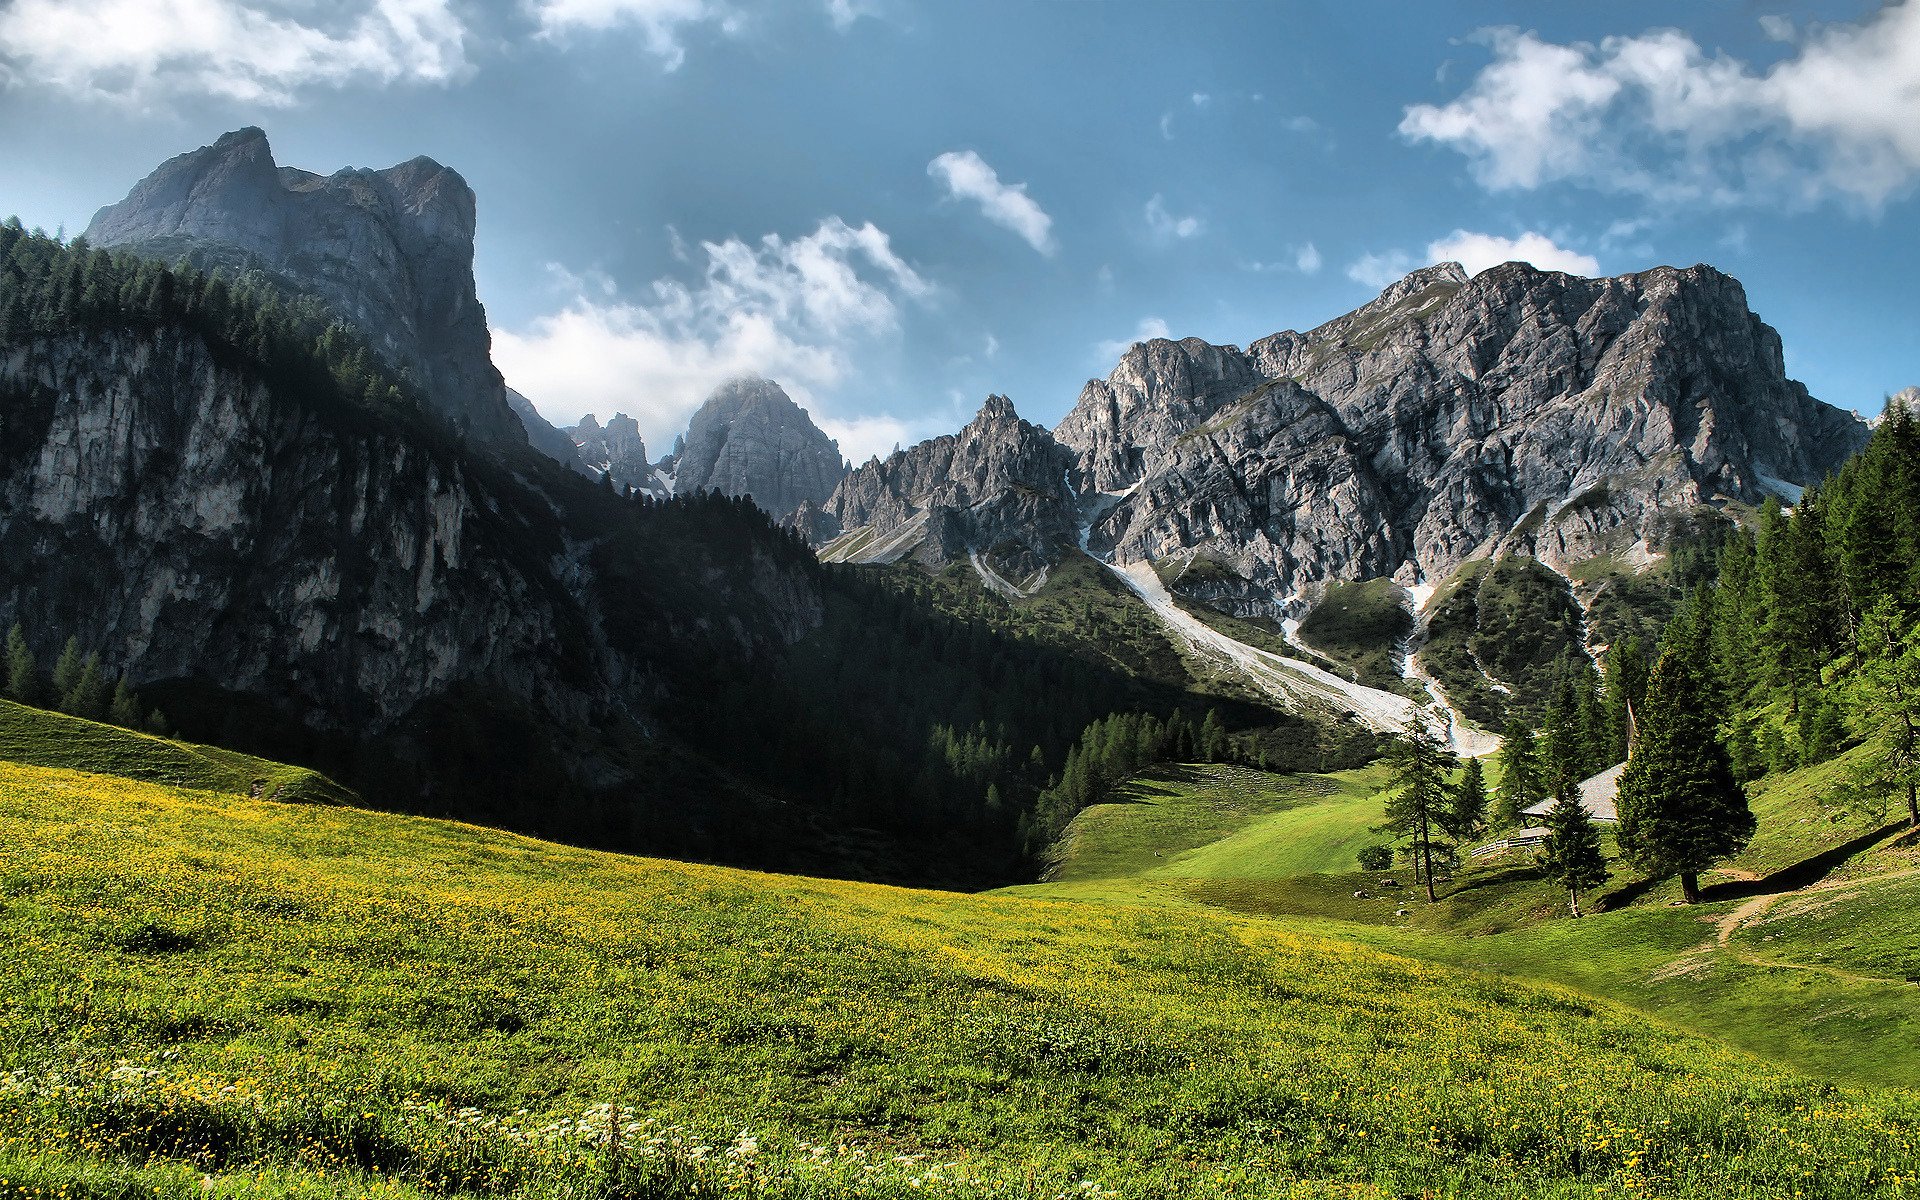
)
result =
(750, 439)
(1538, 411)
(614, 450)
(543, 436)
(997, 489)
(390, 252)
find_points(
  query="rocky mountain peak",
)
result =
(614, 450)
(750, 439)
(389, 251)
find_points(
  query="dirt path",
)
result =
(1729, 923)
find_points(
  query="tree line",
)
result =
(77, 685)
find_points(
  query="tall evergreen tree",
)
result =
(1886, 691)
(23, 674)
(1466, 813)
(1571, 856)
(124, 709)
(1419, 806)
(1626, 688)
(1681, 810)
(1520, 785)
(66, 672)
(89, 695)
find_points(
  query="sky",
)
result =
(897, 207)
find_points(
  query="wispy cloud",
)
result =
(1165, 225)
(1478, 251)
(660, 22)
(149, 51)
(1379, 270)
(1148, 329)
(1658, 116)
(968, 177)
(795, 310)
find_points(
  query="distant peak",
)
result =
(250, 135)
(996, 410)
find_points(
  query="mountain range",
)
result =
(457, 603)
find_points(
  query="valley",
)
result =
(1117, 1031)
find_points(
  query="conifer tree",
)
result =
(89, 695)
(124, 709)
(1886, 691)
(1420, 804)
(1681, 810)
(23, 674)
(1571, 856)
(1520, 786)
(66, 673)
(1466, 815)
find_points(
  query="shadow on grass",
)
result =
(1806, 872)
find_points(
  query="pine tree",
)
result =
(1681, 810)
(1420, 803)
(124, 709)
(1886, 691)
(89, 695)
(66, 673)
(1571, 856)
(1520, 787)
(23, 674)
(1466, 815)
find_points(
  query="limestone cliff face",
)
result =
(1563, 415)
(543, 435)
(997, 488)
(195, 526)
(751, 439)
(390, 252)
(614, 450)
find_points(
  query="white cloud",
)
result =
(1379, 270)
(1166, 125)
(1306, 259)
(867, 437)
(968, 177)
(790, 310)
(660, 22)
(1478, 251)
(1148, 329)
(1656, 115)
(256, 51)
(1778, 28)
(1165, 225)
(1201, 99)
(992, 346)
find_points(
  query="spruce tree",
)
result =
(66, 673)
(1421, 804)
(23, 674)
(89, 695)
(1520, 787)
(124, 709)
(1681, 810)
(1886, 692)
(1466, 815)
(1571, 856)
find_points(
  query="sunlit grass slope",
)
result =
(201, 991)
(49, 739)
(1823, 981)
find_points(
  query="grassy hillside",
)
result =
(1361, 625)
(37, 737)
(210, 995)
(1807, 951)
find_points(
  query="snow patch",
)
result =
(1789, 493)
(1284, 679)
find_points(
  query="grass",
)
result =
(1820, 981)
(39, 737)
(1360, 625)
(211, 995)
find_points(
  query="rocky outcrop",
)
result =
(543, 436)
(1551, 414)
(997, 489)
(344, 574)
(750, 439)
(390, 252)
(616, 451)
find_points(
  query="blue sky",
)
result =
(896, 207)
